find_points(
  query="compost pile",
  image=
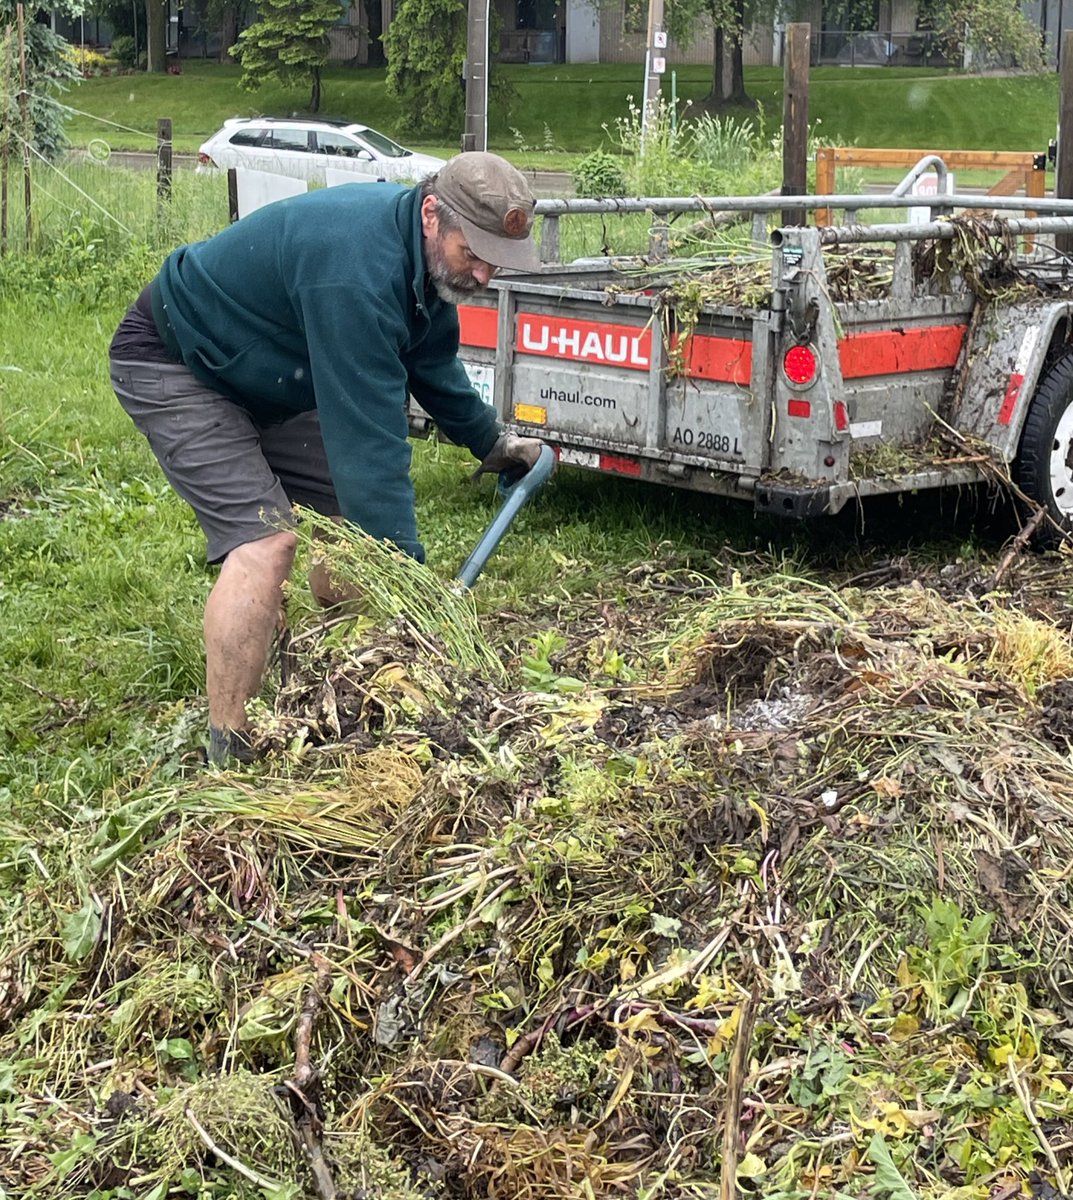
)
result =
(734, 881)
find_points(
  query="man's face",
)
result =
(455, 271)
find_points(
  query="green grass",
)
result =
(564, 108)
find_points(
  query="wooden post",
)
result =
(27, 130)
(795, 118)
(232, 195)
(825, 181)
(163, 158)
(1063, 181)
(5, 132)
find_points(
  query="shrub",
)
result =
(124, 50)
(599, 174)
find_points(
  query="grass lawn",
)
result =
(563, 109)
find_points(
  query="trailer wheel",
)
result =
(1044, 466)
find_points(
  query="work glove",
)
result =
(511, 457)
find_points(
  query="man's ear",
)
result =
(430, 222)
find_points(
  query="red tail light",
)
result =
(204, 160)
(799, 365)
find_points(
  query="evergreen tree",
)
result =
(50, 68)
(426, 49)
(289, 43)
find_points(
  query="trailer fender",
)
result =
(1009, 349)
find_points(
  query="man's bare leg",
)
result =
(241, 615)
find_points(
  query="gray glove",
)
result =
(511, 453)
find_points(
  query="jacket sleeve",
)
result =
(359, 380)
(439, 383)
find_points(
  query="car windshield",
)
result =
(381, 144)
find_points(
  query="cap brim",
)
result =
(518, 254)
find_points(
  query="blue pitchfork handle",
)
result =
(514, 496)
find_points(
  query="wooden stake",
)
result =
(5, 131)
(739, 1061)
(163, 159)
(27, 130)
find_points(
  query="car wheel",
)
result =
(1044, 466)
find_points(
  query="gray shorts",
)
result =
(239, 476)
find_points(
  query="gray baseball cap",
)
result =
(495, 208)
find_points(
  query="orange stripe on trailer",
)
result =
(1009, 401)
(900, 351)
(477, 326)
(724, 360)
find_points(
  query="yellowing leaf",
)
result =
(903, 1027)
(751, 1166)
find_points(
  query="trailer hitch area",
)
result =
(800, 501)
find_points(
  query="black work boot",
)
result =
(229, 746)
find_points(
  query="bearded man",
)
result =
(270, 365)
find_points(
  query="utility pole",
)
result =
(475, 132)
(655, 62)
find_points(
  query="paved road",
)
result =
(545, 184)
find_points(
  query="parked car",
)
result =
(305, 149)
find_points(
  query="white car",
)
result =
(304, 149)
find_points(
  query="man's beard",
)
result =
(455, 287)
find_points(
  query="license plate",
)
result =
(483, 378)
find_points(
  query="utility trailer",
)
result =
(802, 402)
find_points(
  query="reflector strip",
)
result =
(724, 360)
(799, 408)
(1017, 376)
(531, 414)
(1009, 401)
(841, 416)
(900, 351)
(619, 465)
(477, 326)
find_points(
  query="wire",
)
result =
(77, 112)
(84, 194)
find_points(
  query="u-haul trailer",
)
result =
(795, 405)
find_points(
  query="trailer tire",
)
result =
(1044, 466)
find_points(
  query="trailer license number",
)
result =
(483, 378)
(701, 439)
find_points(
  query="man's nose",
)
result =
(482, 272)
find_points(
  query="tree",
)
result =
(426, 49)
(50, 68)
(288, 43)
(156, 20)
(729, 20)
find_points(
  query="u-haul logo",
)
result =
(584, 341)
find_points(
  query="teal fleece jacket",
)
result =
(321, 301)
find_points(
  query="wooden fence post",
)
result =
(27, 129)
(795, 118)
(163, 158)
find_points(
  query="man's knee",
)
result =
(268, 556)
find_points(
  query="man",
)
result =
(271, 364)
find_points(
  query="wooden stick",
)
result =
(728, 1188)
(1019, 543)
(306, 1083)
